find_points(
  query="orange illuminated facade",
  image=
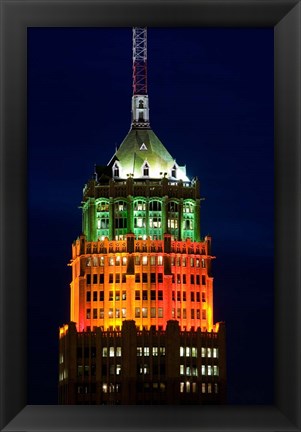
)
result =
(141, 325)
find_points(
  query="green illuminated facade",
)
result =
(142, 191)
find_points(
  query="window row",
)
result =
(144, 313)
(154, 351)
(189, 387)
(100, 313)
(194, 296)
(145, 260)
(193, 352)
(146, 295)
(140, 205)
(194, 313)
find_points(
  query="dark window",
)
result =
(192, 279)
(192, 296)
(88, 296)
(101, 295)
(160, 295)
(111, 276)
(153, 277)
(123, 278)
(144, 295)
(88, 279)
(178, 296)
(95, 313)
(184, 295)
(153, 295)
(160, 277)
(184, 279)
(101, 278)
(111, 298)
(198, 297)
(137, 295)
(203, 297)
(94, 295)
(117, 278)
(137, 277)
(203, 280)
(173, 295)
(144, 277)
(198, 279)
(95, 279)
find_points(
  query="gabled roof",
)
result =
(139, 146)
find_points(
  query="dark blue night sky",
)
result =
(211, 104)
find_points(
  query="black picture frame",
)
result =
(284, 16)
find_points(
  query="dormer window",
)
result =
(174, 171)
(145, 169)
(116, 170)
(143, 147)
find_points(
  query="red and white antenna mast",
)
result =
(140, 108)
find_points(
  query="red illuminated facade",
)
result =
(141, 297)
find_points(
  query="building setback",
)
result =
(141, 325)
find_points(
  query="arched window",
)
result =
(116, 169)
(174, 171)
(145, 169)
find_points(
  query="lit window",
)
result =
(208, 352)
(102, 261)
(160, 260)
(144, 260)
(181, 369)
(162, 350)
(194, 387)
(155, 351)
(105, 352)
(111, 352)
(209, 370)
(124, 260)
(160, 312)
(139, 351)
(153, 312)
(137, 312)
(181, 387)
(203, 352)
(117, 313)
(209, 388)
(215, 352)
(187, 351)
(111, 261)
(203, 370)
(215, 370)
(144, 312)
(110, 313)
(111, 296)
(123, 310)
(118, 369)
(146, 351)
(144, 369)
(187, 387)
(88, 314)
(215, 388)
(123, 295)
(182, 351)
(194, 352)
(203, 263)
(203, 387)
(105, 388)
(101, 313)
(153, 260)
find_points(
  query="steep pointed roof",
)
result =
(142, 146)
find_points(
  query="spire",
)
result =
(140, 107)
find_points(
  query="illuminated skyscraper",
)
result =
(141, 325)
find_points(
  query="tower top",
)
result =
(140, 106)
